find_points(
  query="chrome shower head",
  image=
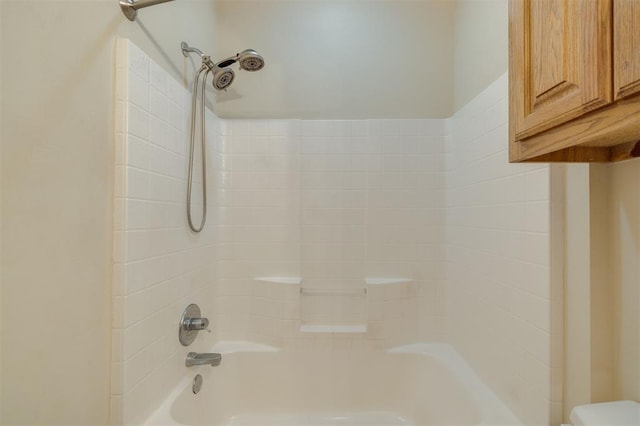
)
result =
(223, 75)
(222, 78)
(249, 60)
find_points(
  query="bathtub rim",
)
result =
(492, 410)
(490, 406)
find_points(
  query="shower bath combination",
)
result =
(223, 76)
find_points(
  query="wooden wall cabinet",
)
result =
(574, 80)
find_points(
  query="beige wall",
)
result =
(339, 58)
(480, 47)
(57, 107)
(625, 277)
(577, 312)
(600, 292)
(602, 320)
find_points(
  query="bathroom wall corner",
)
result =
(577, 335)
(602, 298)
(557, 174)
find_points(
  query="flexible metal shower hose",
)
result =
(203, 149)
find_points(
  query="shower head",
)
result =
(250, 60)
(222, 78)
(223, 75)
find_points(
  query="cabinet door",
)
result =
(626, 47)
(560, 61)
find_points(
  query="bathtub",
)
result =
(420, 384)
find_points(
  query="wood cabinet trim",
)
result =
(613, 125)
(626, 43)
(565, 65)
(571, 112)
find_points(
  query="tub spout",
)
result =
(194, 358)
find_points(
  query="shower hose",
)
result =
(203, 149)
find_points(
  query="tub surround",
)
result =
(332, 202)
(328, 234)
(243, 346)
(333, 329)
(159, 267)
(289, 199)
(281, 280)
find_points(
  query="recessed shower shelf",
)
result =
(280, 280)
(333, 292)
(332, 328)
(384, 281)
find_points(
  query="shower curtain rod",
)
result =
(130, 7)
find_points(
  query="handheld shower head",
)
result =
(222, 78)
(223, 75)
(249, 60)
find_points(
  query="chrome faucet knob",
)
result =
(196, 323)
(190, 324)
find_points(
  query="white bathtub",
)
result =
(422, 384)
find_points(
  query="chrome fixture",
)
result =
(223, 76)
(248, 60)
(190, 324)
(194, 359)
(197, 384)
(130, 7)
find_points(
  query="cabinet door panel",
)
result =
(560, 64)
(626, 45)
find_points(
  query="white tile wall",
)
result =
(334, 202)
(498, 244)
(159, 267)
(260, 232)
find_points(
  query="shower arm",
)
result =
(206, 59)
(130, 7)
(186, 49)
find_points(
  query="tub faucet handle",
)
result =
(196, 324)
(191, 322)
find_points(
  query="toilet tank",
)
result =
(618, 413)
